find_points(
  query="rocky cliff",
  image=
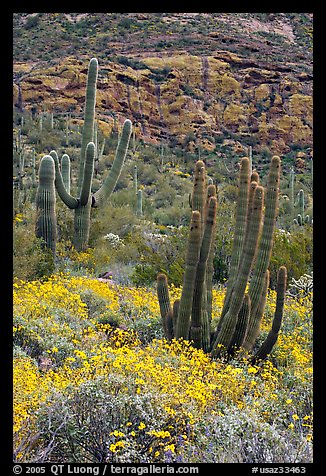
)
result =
(182, 77)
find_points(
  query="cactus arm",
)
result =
(256, 319)
(198, 199)
(67, 199)
(169, 324)
(241, 327)
(65, 170)
(164, 301)
(192, 254)
(46, 222)
(89, 116)
(224, 336)
(88, 174)
(199, 286)
(211, 192)
(265, 245)
(239, 231)
(110, 182)
(268, 344)
(176, 305)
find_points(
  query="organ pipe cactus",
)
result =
(244, 304)
(268, 344)
(46, 223)
(83, 202)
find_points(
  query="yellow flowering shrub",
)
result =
(185, 386)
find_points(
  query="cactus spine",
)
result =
(46, 223)
(84, 201)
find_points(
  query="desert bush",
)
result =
(240, 436)
(31, 260)
(293, 250)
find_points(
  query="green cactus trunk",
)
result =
(84, 201)
(46, 222)
(65, 169)
(224, 336)
(264, 248)
(164, 302)
(268, 344)
(241, 327)
(194, 240)
(89, 116)
(241, 219)
(199, 306)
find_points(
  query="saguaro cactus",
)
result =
(46, 223)
(84, 200)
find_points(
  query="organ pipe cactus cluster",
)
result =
(239, 324)
(83, 202)
(46, 222)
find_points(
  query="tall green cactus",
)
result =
(193, 249)
(46, 222)
(224, 336)
(84, 201)
(264, 248)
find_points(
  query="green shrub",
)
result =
(293, 250)
(30, 260)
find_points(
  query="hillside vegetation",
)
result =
(162, 165)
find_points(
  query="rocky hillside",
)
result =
(184, 77)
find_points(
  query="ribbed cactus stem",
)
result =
(46, 223)
(257, 318)
(89, 115)
(267, 346)
(265, 244)
(66, 171)
(254, 176)
(82, 220)
(199, 194)
(164, 302)
(211, 192)
(227, 328)
(135, 179)
(88, 174)
(241, 216)
(301, 200)
(67, 199)
(241, 327)
(199, 286)
(110, 182)
(192, 254)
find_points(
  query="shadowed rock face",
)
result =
(176, 74)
